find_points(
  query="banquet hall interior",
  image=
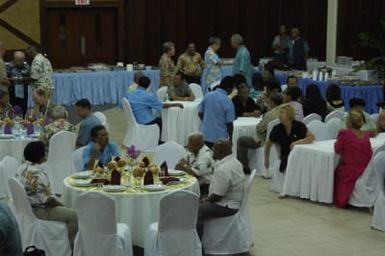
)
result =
(192, 127)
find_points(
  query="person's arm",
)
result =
(179, 64)
(213, 198)
(93, 156)
(230, 128)
(256, 113)
(307, 140)
(170, 105)
(262, 126)
(268, 145)
(339, 144)
(177, 98)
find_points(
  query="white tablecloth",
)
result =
(14, 148)
(137, 209)
(310, 170)
(179, 123)
(244, 126)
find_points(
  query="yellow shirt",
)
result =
(191, 65)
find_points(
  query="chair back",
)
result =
(171, 152)
(319, 130)
(8, 168)
(333, 126)
(162, 93)
(248, 189)
(78, 159)
(334, 114)
(103, 119)
(379, 168)
(20, 200)
(132, 125)
(374, 117)
(197, 90)
(313, 116)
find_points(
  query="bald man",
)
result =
(226, 188)
(198, 161)
(4, 82)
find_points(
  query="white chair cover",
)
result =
(374, 117)
(8, 168)
(333, 126)
(367, 188)
(175, 234)
(277, 177)
(230, 235)
(319, 129)
(162, 93)
(144, 137)
(334, 114)
(307, 119)
(99, 234)
(60, 162)
(103, 119)
(171, 152)
(213, 85)
(50, 236)
(197, 90)
(378, 220)
(78, 159)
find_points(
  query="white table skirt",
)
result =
(244, 126)
(179, 123)
(138, 210)
(310, 170)
(14, 148)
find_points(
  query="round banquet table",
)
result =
(178, 123)
(244, 126)
(135, 207)
(14, 147)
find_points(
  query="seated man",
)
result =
(244, 105)
(198, 161)
(83, 109)
(134, 85)
(100, 150)
(358, 105)
(180, 90)
(10, 240)
(6, 110)
(226, 189)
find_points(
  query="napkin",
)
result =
(164, 168)
(148, 178)
(7, 129)
(30, 129)
(115, 177)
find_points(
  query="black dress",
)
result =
(240, 109)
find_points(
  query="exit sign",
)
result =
(82, 2)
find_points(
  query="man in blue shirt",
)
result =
(10, 241)
(83, 109)
(217, 113)
(99, 149)
(143, 104)
(242, 63)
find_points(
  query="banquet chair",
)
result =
(78, 159)
(60, 162)
(175, 234)
(8, 168)
(143, 137)
(162, 93)
(374, 117)
(319, 130)
(333, 126)
(197, 90)
(103, 119)
(334, 114)
(378, 220)
(99, 233)
(214, 85)
(367, 188)
(171, 152)
(313, 116)
(50, 236)
(230, 235)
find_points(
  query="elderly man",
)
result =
(226, 189)
(18, 72)
(43, 105)
(180, 90)
(167, 65)
(242, 64)
(298, 50)
(134, 85)
(83, 109)
(4, 82)
(191, 64)
(198, 161)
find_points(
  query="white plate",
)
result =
(82, 183)
(34, 136)
(6, 136)
(176, 173)
(82, 175)
(181, 180)
(114, 188)
(154, 187)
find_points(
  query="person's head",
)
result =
(215, 43)
(227, 84)
(236, 41)
(99, 135)
(239, 79)
(354, 120)
(59, 112)
(295, 33)
(179, 79)
(31, 52)
(292, 81)
(257, 81)
(357, 104)
(275, 99)
(4, 97)
(18, 58)
(333, 92)
(39, 96)
(190, 48)
(83, 108)
(34, 152)
(195, 142)
(273, 86)
(286, 114)
(2, 49)
(313, 93)
(221, 149)
(169, 48)
(283, 30)
(144, 82)
(268, 74)
(381, 121)
(243, 92)
(291, 94)
(137, 76)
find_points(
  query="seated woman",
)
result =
(287, 134)
(313, 102)
(43, 106)
(355, 149)
(244, 105)
(334, 100)
(35, 180)
(6, 110)
(180, 90)
(258, 86)
(291, 96)
(381, 122)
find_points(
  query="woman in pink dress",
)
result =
(354, 147)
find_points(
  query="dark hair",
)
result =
(144, 82)
(257, 81)
(276, 98)
(269, 67)
(242, 86)
(353, 102)
(239, 79)
(3, 93)
(227, 83)
(95, 130)
(83, 103)
(290, 77)
(180, 73)
(34, 152)
(274, 85)
(313, 92)
(293, 92)
(167, 46)
(214, 40)
(333, 92)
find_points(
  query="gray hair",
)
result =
(167, 46)
(137, 76)
(237, 38)
(214, 40)
(59, 112)
(19, 55)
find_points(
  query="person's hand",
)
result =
(292, 145)
(97, 147)
(52, 203)
(179, 105)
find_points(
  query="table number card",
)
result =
(82, 2)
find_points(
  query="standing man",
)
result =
(190, 64)
(298, 50)
(4, 82)
(280, 45)
(166, 65)
(41, 71)
(83, 110)
(242, 64)
(19, 75)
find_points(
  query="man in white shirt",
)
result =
(226, 188)
(198, 161)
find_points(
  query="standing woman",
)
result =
(166, 65)
(212, 72)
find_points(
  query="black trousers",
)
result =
(209, 144)
(157, 121)
(193, 79)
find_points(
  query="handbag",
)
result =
(33, 251)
